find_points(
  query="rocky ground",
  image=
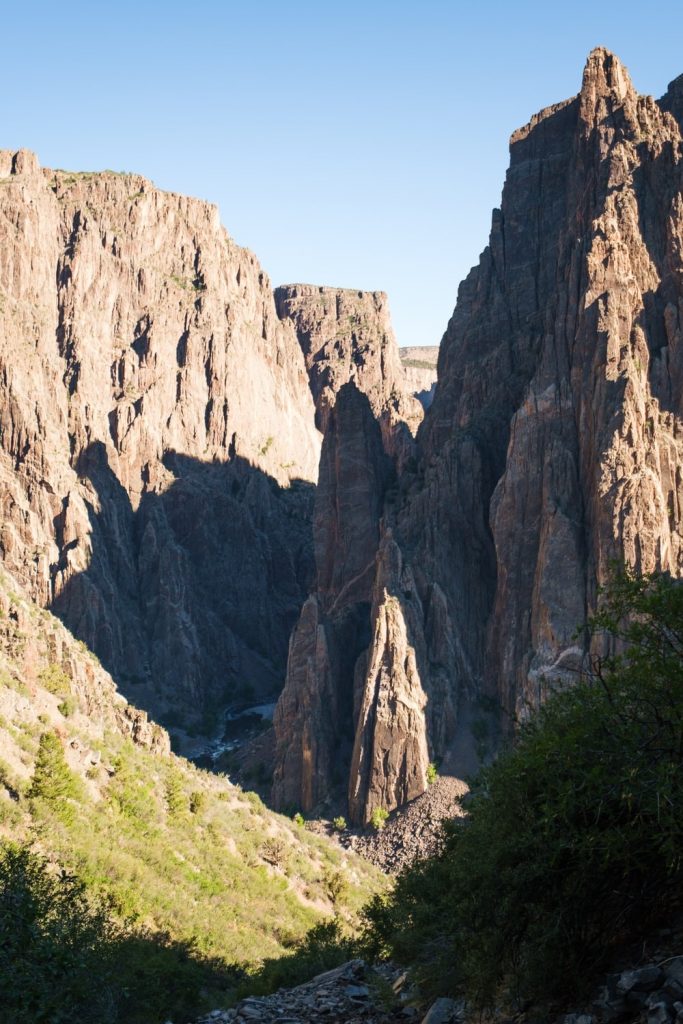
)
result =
(354, 993)
(651, 993)
(409, 834)
(412, 833)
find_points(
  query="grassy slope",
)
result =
(217, 868)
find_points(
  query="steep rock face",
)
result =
(157, 438)
(419, 367)
(559, 390)
(555, 440)
(346, 335)
(314, 717)
(390, 753)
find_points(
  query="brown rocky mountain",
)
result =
(158, 449)
(157, 438)
(158, 446)
(368, 416)
(346, 335)
(554, 445)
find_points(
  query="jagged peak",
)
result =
(18, 161)
(604, 75)
(672, 100)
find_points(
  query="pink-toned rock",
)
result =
(346, 335)
(555, 440)
(313, 720)
(157, 438)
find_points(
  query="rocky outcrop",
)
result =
(346, 335)
(554, 445)
(390, 753)
(419, 367)
(41, 666)
(157, 439)
(555, 440)
(314, 718)
(334, 697)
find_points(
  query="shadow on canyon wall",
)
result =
(189, 600)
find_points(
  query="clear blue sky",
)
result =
(360, 145)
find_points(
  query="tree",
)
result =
(53, 781)
(573, 844)
(54, 945)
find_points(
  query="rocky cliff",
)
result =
(554, 443)
(419, 367)
(369, 417)
(157, 438)
(346, 335)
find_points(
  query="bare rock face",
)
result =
(390, 754)
(157, 439)
(554, 443)
(346, 335)
(314, 717)
(419, 366)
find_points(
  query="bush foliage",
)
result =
(63, 959)
(573, 844)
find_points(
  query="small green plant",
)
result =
(336, 886)
(379, 818)
(54, 678)
(299, 819)
(176, 801)
(197, 801)
(339, 824)
(67, 707)
(432, 773)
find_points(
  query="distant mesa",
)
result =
(419, 366)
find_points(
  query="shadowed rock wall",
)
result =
(554, 443)
(155, 416)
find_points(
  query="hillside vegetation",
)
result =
(191, 883)
(573, 845)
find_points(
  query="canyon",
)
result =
(553, 447)
(232, 494)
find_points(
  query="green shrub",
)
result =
(197, 801)
(573, 845)
(432, 773)
(130, 794)
(62, 959)
(339, 824)
(67, 707)
(176, 800)
(299, 819)
(54, 678)
(336, 886)
(379, 818)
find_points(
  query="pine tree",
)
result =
(53, 781)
